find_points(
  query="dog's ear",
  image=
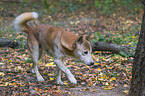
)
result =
(78, 41)
(67, 40)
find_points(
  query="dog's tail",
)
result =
(20, 22)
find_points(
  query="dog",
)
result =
(56, 42)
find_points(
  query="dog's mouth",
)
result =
(88, 63)
(91, 63)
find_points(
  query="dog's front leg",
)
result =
(61, 66)
(59, 76)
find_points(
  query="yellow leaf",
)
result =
(98, 51)
(109, 67)
(99, 69)
(65, 83)
(97, 63)
(10, 60)
(126, 91)
(50, 64)
(31, 64)
(104, 76)
(113, 78)
(51, 78)
(108, 87)
(24, 55)
(5, 59)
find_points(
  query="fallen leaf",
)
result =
(125, 85)
(50, 64)
(99, 69)
(65, 83)
(18, 68)
(108, 87)
(2, 73)
(113, 78)
(51, 79)
(126, 91)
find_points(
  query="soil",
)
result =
(97, 91)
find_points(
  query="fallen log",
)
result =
(97, 46)
(114, 48)
(10, 43)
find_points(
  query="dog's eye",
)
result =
(86, 52)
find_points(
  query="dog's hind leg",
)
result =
(61, 66)
(41, 53)
(34, 53)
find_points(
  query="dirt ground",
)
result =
(97, 91)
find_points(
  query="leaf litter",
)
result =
(15, 75)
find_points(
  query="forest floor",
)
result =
(16, 78)
(111, 74)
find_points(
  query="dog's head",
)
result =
(82, 50)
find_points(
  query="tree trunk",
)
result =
(137, 87)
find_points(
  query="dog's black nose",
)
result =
(92, 63)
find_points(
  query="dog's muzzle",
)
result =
(91, 63)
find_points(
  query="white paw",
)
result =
(60, 83)
(40, 78)
(73, 81)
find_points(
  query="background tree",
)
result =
(137, 87)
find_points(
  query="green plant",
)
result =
(105, 5)
(46, 3)
(111, 6)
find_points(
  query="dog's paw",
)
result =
(60, 83)
(40, 78)
(73, 81)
